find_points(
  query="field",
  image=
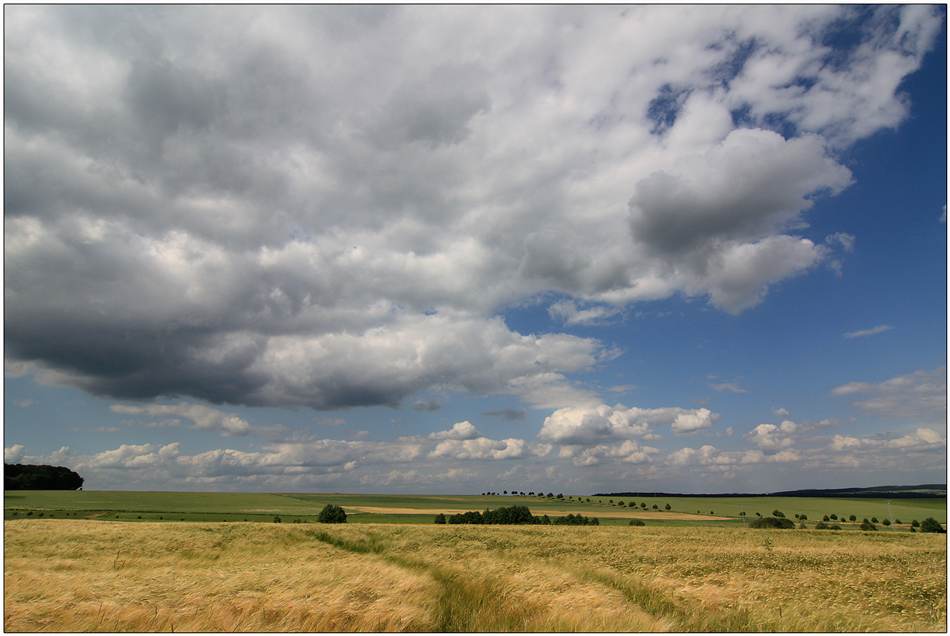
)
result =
(132, 561)
(80, 575)
(166, 506)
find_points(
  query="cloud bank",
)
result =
(292, 206)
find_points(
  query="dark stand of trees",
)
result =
(514, 515)
(31, 477)
(773, 522)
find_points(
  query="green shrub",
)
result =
(931, 525)
(867, 526)
(440, 518)
(332, 514)
(637, 522)
(773, 522)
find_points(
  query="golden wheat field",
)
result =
(63, 575)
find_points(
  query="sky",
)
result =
(462, 249)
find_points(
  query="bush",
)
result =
(821, 525)
(852, 518)
(440, 518)
(914, 524)
(332, 514)
(637, 522)
(773, 522)
(886, 522)
(931, 525)
(867, 526)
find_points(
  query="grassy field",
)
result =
(65, 574)
(165, 506)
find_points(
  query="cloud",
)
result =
(512, 415)
(921, 439)
(14, 454)
(209, 208)
(585, 426)
(732, 387)
(867, 332)
(481, 448)
(204, 417)
(771, 438)
(430, 405)
(629, 451)
(568, 312)
(921, 395)
(460, 431)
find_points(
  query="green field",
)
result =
(230, 507)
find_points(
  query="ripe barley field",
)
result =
(81, 575)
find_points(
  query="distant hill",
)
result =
(928, 491)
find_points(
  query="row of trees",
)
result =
(513, 515)
(32, 477)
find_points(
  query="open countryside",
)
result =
(158, 561)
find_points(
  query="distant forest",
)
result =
(923, 491)
(31, 477)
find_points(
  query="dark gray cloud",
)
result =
(512, 415)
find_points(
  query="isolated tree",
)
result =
(332, 514)
(656, 507)
(886, 522)
(668, 507)
(931, 525)
(621, 504)
(914, 524)
(868, 526)
(440, 518)
(778, 513)
(825, 518)
(805, 517)
(873, 519)
(852, 518)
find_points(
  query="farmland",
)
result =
(209, 507)
(155, 561)
(81, 575)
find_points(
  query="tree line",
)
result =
(32, 477)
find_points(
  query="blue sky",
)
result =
(461, 249)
